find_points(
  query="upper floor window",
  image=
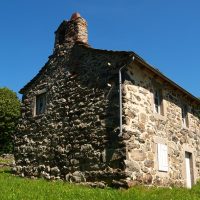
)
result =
(158, 102)
(40, 106)
(184, 113)
(61, 37)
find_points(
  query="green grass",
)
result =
(17, 188)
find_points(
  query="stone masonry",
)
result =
(77, 137)
(144, 129)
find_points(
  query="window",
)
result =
(40, 104)
(162, 158)
(158, 104)
(61, 37)
(184, 113)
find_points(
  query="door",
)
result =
(188, 169)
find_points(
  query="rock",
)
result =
(149, 163)
(143, 118)
(132, 166)
(45, 175)
(41, 167)
(148, 179)
(76, 177)
(55, 170)
(74, 161)
(138, 155)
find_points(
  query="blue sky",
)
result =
(165, 33)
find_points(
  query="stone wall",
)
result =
(144, 129)
(76, 139)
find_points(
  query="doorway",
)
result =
(189, 169)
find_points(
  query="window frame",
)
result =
(40, 98)
(158, 101)
(184, 115)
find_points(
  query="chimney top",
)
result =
(70, 32)
(75, 16)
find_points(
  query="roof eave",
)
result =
(159, 74)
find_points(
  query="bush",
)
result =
(9, 115)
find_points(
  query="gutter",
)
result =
(120, 96)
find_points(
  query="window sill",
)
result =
(162, 171)
(38, 115)
(184, 128)
(163, 174)
(159, 117)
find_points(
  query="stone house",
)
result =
(81, 123)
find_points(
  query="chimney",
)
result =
(70, 32)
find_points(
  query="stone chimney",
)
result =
(70, 32)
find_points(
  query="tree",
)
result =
(9, 115)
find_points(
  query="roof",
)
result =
(161, 75)
(22, 90)
(151, 68)
(127, 55)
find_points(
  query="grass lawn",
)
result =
(12, 187)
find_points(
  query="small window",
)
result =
(61, 37)
(158, 102)
(40, 104)
(162, 158)
(184, 113)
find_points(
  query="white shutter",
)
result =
(162, 157)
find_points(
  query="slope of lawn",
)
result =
(12, 187)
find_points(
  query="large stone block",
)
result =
(138, 155)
